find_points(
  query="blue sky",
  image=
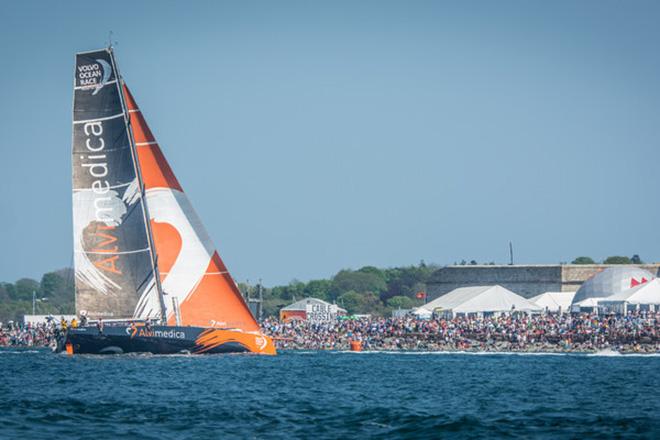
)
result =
(312, 137)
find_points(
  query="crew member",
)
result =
(74, 323)
(99, 325)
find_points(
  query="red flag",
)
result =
(420, 295)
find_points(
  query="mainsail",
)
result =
(196, 285)
(114, 263)
(140, 249)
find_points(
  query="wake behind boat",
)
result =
(141, 254)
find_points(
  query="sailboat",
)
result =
(147, 276)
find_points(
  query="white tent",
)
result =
(586, 305)
(554, 301)
(422, 313)
(647, 293)
(481, 299)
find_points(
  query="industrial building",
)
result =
(525, 280)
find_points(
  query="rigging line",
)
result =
(146, 279)
(106, 118)
(113, 253)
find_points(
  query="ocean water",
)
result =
(328, 395)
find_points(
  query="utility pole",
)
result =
(260, 314)
(34, 302)
(511, 252)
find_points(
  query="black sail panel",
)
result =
(113, 260)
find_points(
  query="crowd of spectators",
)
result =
(510, 332)
(638, 332)
(38, 335)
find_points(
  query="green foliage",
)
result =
(583, 260)
(407, 281)
(636, 260)
(54, 294)
(4, 292)
(617, 259)
(400, 302)
(357, 281)
(351, 301)
(24, 289)
(366, 290)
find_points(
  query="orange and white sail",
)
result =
(192, 273)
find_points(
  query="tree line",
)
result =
(614, 259)
(365, 290)
(54, 294)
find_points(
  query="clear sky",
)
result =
(313, 137)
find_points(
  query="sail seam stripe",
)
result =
(94, 85)
(135, 110)
(140, 144)
(100, 119)
(121, 185)
(206, 273)
(107, 150)
(113, 253)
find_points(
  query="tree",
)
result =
(4, 295)
(407, 281)
(357, 281)
(351, 301)
(25, 287)
(400, 302)
(583, 260)
(318, 289)
(636, 260)
(617, 259)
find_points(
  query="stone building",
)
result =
(525, 280)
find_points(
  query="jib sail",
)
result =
(114, 265)
(193, 277)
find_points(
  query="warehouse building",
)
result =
(525, 280)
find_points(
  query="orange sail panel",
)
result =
(191, 270)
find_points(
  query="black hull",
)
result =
(156, 340)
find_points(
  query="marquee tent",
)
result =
(647, 293)
(481, 299)
(554, 301)
(422, 313)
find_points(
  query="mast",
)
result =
(138, 172)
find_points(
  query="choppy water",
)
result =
(328, 395)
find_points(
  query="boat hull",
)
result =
(164, 340)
